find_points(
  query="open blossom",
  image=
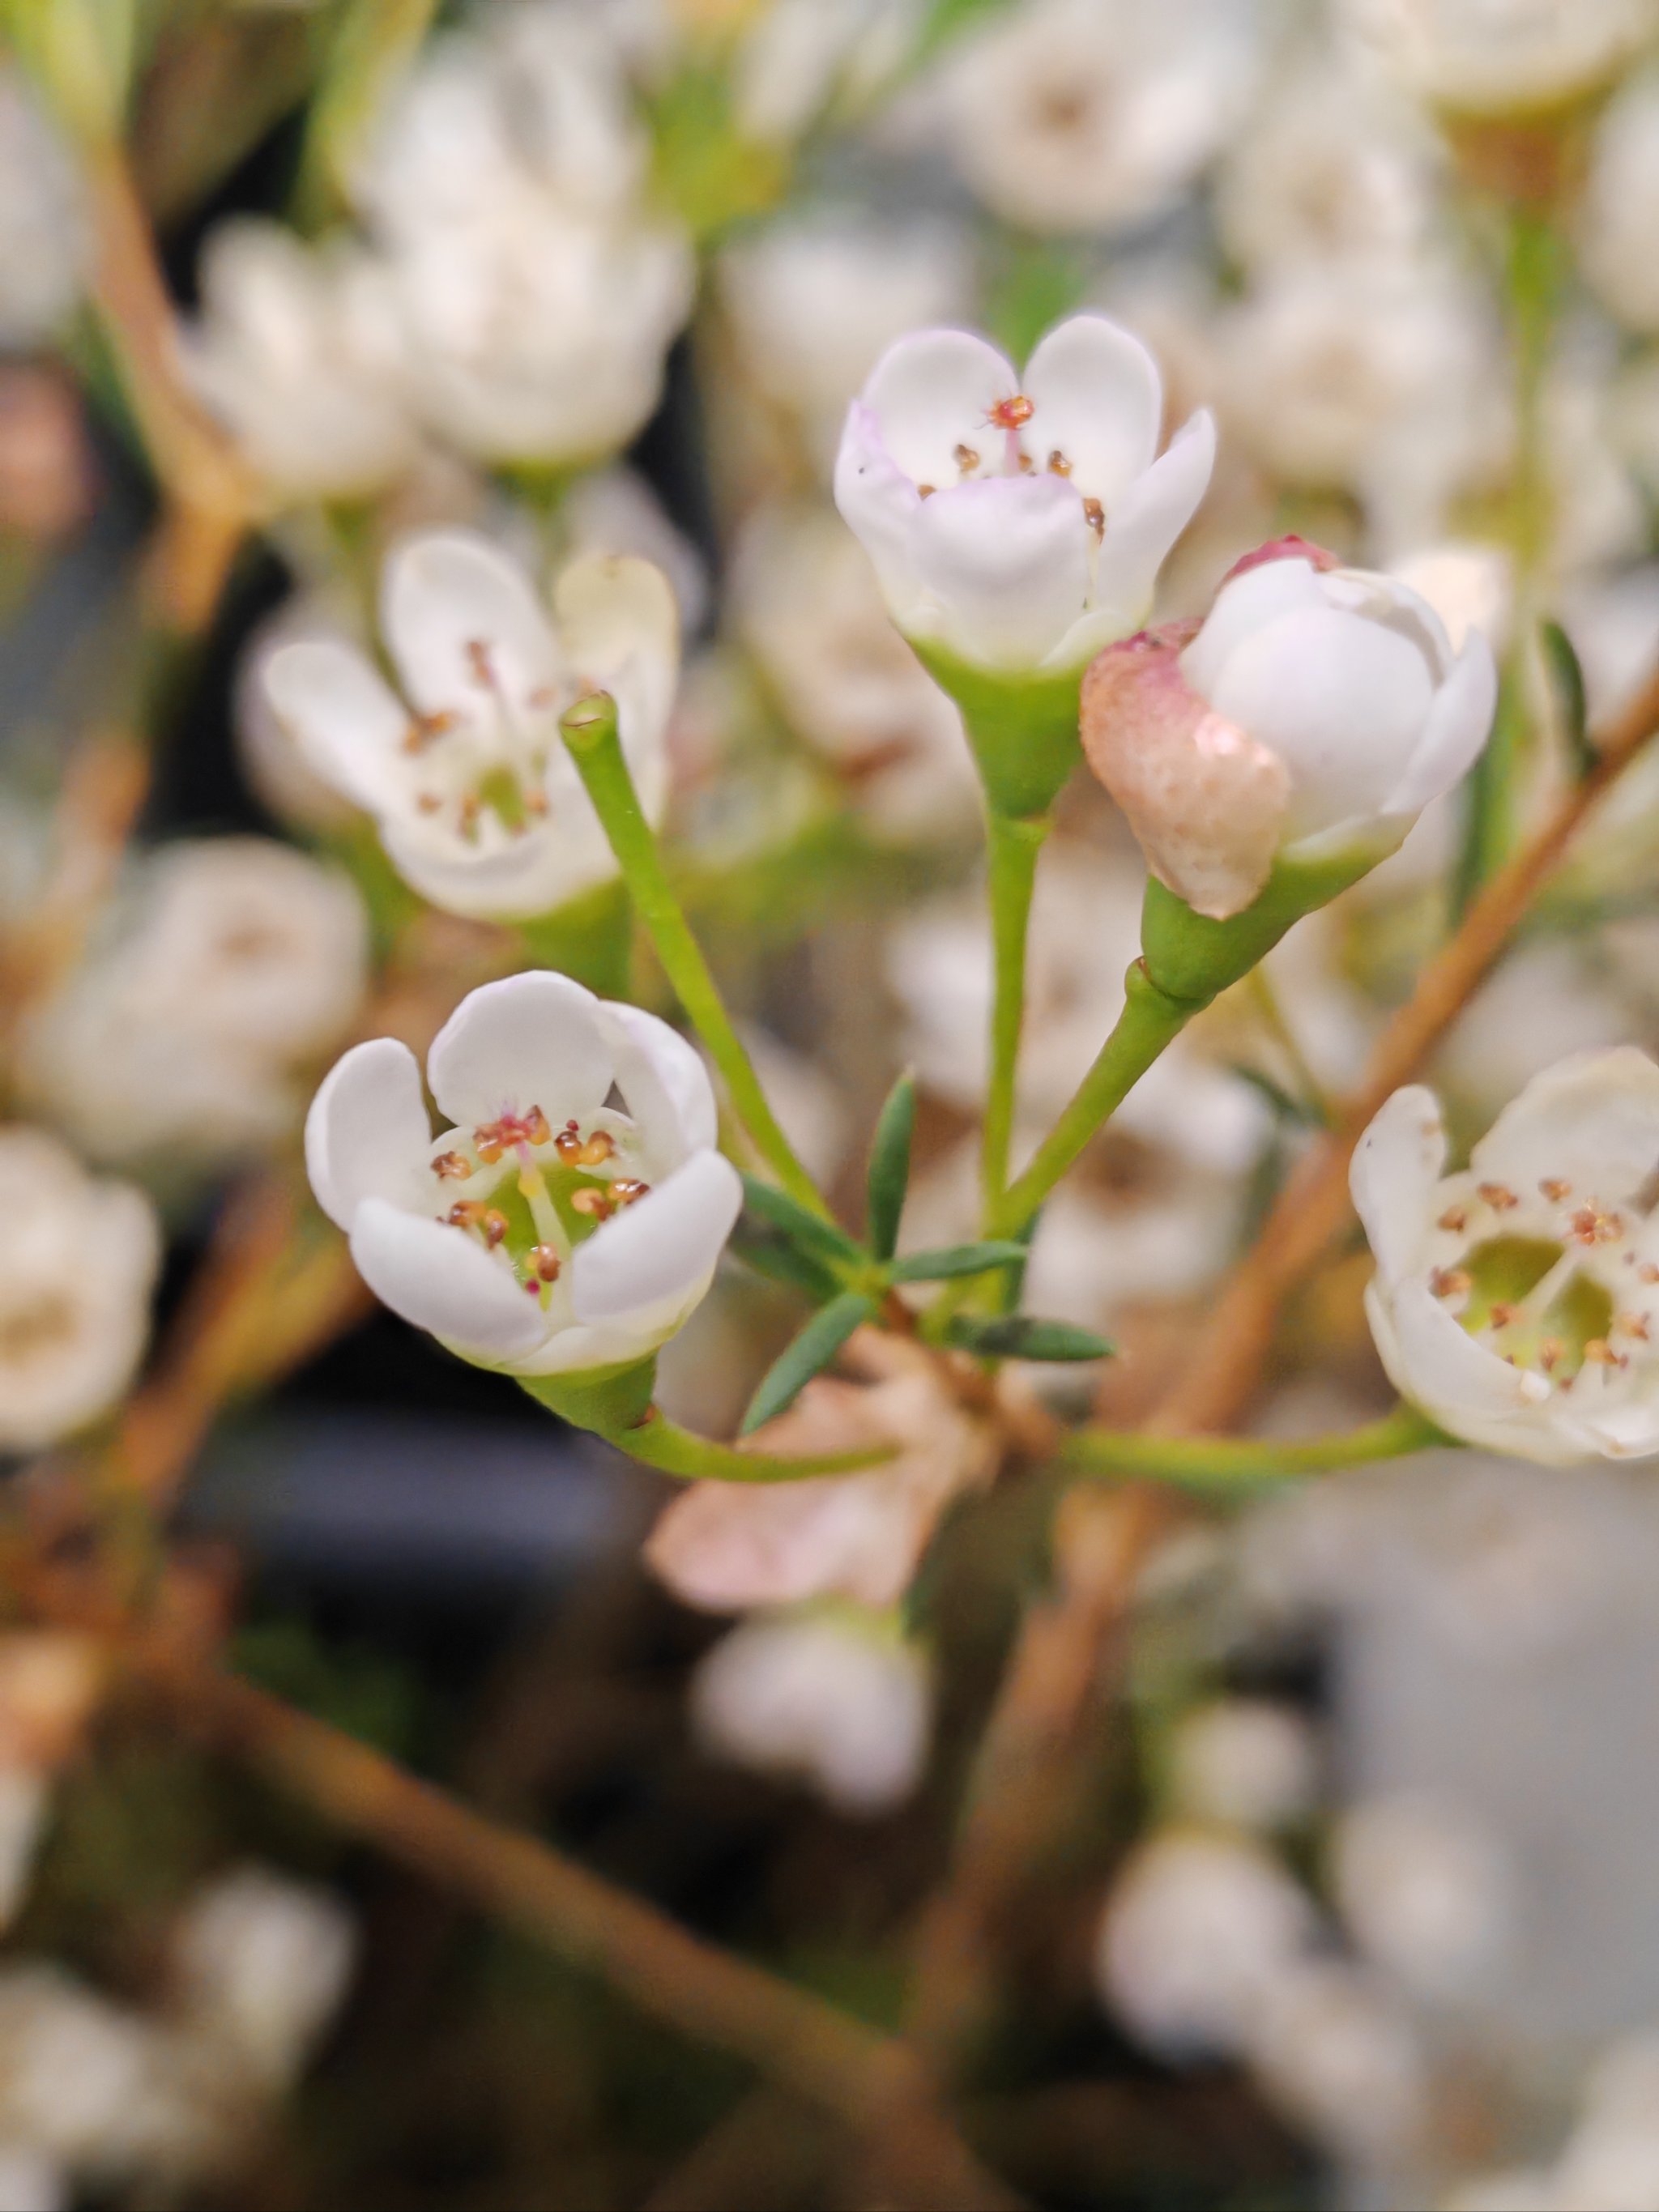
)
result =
(1067, 116)
(45, 240)
(300, 352)
(1517, 1302)
(480, 807)
(830, 1698)
(1316, 709)
(1017, 522)
(1621, 199)
(546, 1230)
(71, 1332)
(261, 1964)
(1503, 57)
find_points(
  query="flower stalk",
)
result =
(616, 1405)
(589, 729)
(1213, 1464)
(1013, 845)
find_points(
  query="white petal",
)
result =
(1243, 606)
(1396, 1166)
(1591, 1121)
(661, 1247)
(531, 1040)
(1459, 723)
(441, 1279)
(1343, 702)
(347, 721)
(1097, 399)
(449, 590)
(663, 1082)
(367, 1134)
(1469, 1391)
(1008, 560)
(1628, 1432)
(880, 504)
(932, 392)
(1146, 522)
(620, 627)
(553, 862)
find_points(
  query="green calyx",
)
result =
(1192, 959)
(607, 1400)
(1023, 728)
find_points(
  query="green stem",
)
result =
(1013, 844)
(662, 1443)
(1150, 1021)
(590, 731)
(1212, 1463)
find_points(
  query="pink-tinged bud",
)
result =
(1204, 800)
(1289, 548)
(1312, 714)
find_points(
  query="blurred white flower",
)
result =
(1016, 524)
(480, 806)
(817, 297)
(1246, 1761)
(179, 1043)
(71, 1334)
(546, 1231)
(1341, 2058)
(1376, 379)
(1506, 2188)
(539, 293)
(1314, 712)
(1199, 1928)
(45, 243)
(31, 2182)
(301, 350)
(1065, 115)
(262, 1964)
(1611, 2157)
(1470, 584)
(1331, 171)
(726, 1546)
(616, 511)
(1515, 1302)
(840, 1703)
(1620, 204)
(1501, 57)
(268, 750)
(793, 56)
(1552, 997)
(1427, 1893)
(802, 599)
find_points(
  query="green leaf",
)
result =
(812, 1352)
(958, 1259)
(810, 1231)
(889, 1166)
(1021, 1336)
(1567, 682)
(774, 1257)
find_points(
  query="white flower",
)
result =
(178, 1044)
(547, 1230)
(1198, 1929)
(1497, 56)
(263, 1964)
(837, 1702)
(1315, 712)
(1018, 523)
(1244, 1760)
(301, 350)
(817, 298)
(539, 293)
(1611, 2157)
(1067, 115)
(803, 599)
(1515, 1302)
(479, 805)
(1620, 201)
(1339, 2056)
(1427, 1893)
(81, 1260)
(727, 1545)
(44, 237)
(31, 2182)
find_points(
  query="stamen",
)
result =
(1026, 464)
(1589, 1225)
(1555, 1189)
(927, 491)
(1647, 1272)
(598, 1150)
(453, 1166)
(545, 1262)
(1095, 515)
(1598, 1353)
(1058, 463)
(627, 1190)
(535, 801)
(1634, 1325)
(594, 1203)
(1450, 1282)
(494, 1138)
(472, 1214)
(428, 801)
(478, 655)
(1549, 1353)
(1455, 1219)
(1497, 1195)
(965, 458)
(1501, 1315)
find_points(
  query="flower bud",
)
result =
(1311, 716)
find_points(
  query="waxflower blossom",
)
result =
(1505, 56)
(1017, 522)
(81, 1260)
(1517, 1302)
(547, 1231)
(479, 806)
(1314, 712)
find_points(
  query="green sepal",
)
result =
(1024, 729)
(780, 1261)
(953, 1260)
(810, 1230)
(811, 1352)
(1567, 682)
(605, 1400)
(1192, 959)
(889, 1167)
(1023, 1336)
